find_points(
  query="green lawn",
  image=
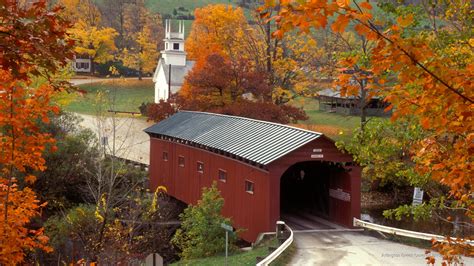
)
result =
(129, 95)
(242, 258)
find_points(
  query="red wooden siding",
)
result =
(248, 211)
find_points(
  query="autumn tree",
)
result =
(144, 56)
(91, 38)
(21, 107)
(217, 28)
(432, 84)
(218, 84)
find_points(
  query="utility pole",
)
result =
(169, 82)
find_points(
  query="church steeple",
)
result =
(174, 53)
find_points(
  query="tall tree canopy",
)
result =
(217, 28)
(33, 43)
(428, 82)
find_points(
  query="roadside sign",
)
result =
(227, 227)
(417, 196)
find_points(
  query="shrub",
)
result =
(201, 234)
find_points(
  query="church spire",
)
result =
(174, 53)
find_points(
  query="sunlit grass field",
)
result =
(115, 94)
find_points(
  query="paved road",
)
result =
(355, 248)
(130, 141)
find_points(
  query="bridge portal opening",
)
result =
(305, 200)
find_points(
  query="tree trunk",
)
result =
(363, 104)
(140, 73)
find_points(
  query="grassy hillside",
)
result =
(167, 6)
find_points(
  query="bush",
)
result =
(201, 234)
(157, 111)
(271, 112)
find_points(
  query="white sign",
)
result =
(227, 227)
(317, 156)
(317, 150)
(158, 260)
(339, 194)
(417, 196)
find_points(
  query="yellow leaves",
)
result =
(471, 42)
(405, 21)
(97, 43)
(343, 3)
(340, 24)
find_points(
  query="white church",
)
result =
(172, 66)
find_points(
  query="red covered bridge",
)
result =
(262, 169)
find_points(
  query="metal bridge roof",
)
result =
(258, 141)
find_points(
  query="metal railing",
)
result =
(403, 232)
(274, 255)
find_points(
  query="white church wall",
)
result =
(161, 86)
(174, 59)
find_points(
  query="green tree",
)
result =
(201, 234)
(382, 148)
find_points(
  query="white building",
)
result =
(172, 66)
(82, 64)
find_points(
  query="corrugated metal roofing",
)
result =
(258, 141)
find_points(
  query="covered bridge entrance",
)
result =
(263, 170)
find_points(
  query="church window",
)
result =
(175, 46)
(166, 46)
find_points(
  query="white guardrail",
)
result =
(403, 232)
(274, 255)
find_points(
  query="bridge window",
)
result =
(181, 161)
(222, 175)
(200, 167)
(165, 156)
(249, 186)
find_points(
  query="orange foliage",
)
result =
(217, 28)
(436, 89)
(22, 146)
(33, 42)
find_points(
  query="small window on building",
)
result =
(200, 167)
(78, 65)
(166, 46)
(165, 156)
(222, 175)
(175, 46)
(249, 187)
(181, 161)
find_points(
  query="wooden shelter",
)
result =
(330, 100)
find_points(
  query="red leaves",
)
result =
(159, 111)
